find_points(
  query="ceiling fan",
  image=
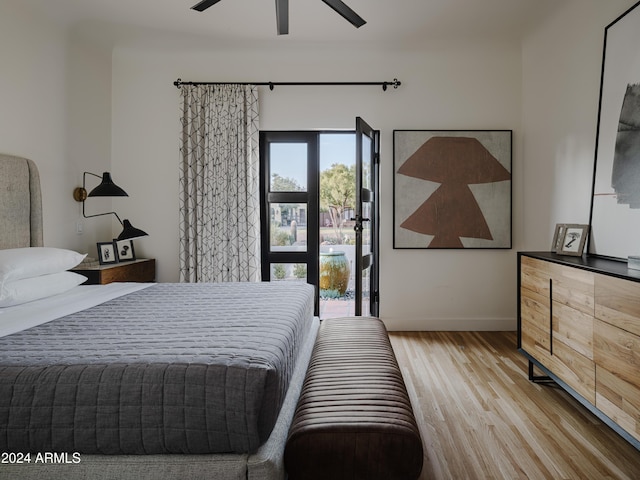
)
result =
(282, 12)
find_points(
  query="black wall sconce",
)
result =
(107, 189)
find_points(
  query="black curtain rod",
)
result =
(395, 83)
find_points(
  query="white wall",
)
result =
(54, 109)
(89, 139)
(33, 99)
(444, 87)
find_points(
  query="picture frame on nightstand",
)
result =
(107, 253)
(126, 252)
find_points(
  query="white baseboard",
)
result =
(450, 324)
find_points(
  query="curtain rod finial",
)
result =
(396, 83)
(178, 83)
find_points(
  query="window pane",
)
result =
(281, 272)
(366, 162)
(366, 229)
(288, 227)
(288, 167)
(366, 292)
(337, 188)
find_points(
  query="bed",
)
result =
(143, 381)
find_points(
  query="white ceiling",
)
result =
(249, 22)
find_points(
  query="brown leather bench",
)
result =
(354, 418)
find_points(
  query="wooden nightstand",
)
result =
(142, 270)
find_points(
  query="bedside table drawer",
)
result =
(143, 270)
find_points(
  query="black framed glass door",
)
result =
(366, 220)
(314, 229)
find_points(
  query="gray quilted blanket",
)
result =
(174, 368)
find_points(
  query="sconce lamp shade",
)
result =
(129, 231)
(107, 188)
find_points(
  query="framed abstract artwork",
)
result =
(452, 189)
(615, 204)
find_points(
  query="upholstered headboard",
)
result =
(20, 203)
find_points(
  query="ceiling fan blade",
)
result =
(351, 16)
(282, 16)
(203, 5)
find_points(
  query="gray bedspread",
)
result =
(174, 368)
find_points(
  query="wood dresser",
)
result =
(579, 323)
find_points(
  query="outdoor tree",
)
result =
(338, 193)
(451, 211)
(284, 184)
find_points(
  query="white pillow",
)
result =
(19, 263)
(30, 289)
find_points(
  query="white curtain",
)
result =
(219, 184)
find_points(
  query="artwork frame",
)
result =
(617, 165)
(452, 189)
(125, 250)
(107, 253)
(574, 237)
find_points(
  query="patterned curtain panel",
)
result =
(219, 180)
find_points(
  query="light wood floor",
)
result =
(481, 418)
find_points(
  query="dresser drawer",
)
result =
(576, 370)
(617, 350)
(617, 355)
(574, 288)
(617, 302)
(573, 328)
(535, 276)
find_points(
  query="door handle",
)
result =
(359, 220)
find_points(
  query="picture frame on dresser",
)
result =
(615, 201)
(558, 237)
(572, 239)
(107, 253)
(126, 252)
